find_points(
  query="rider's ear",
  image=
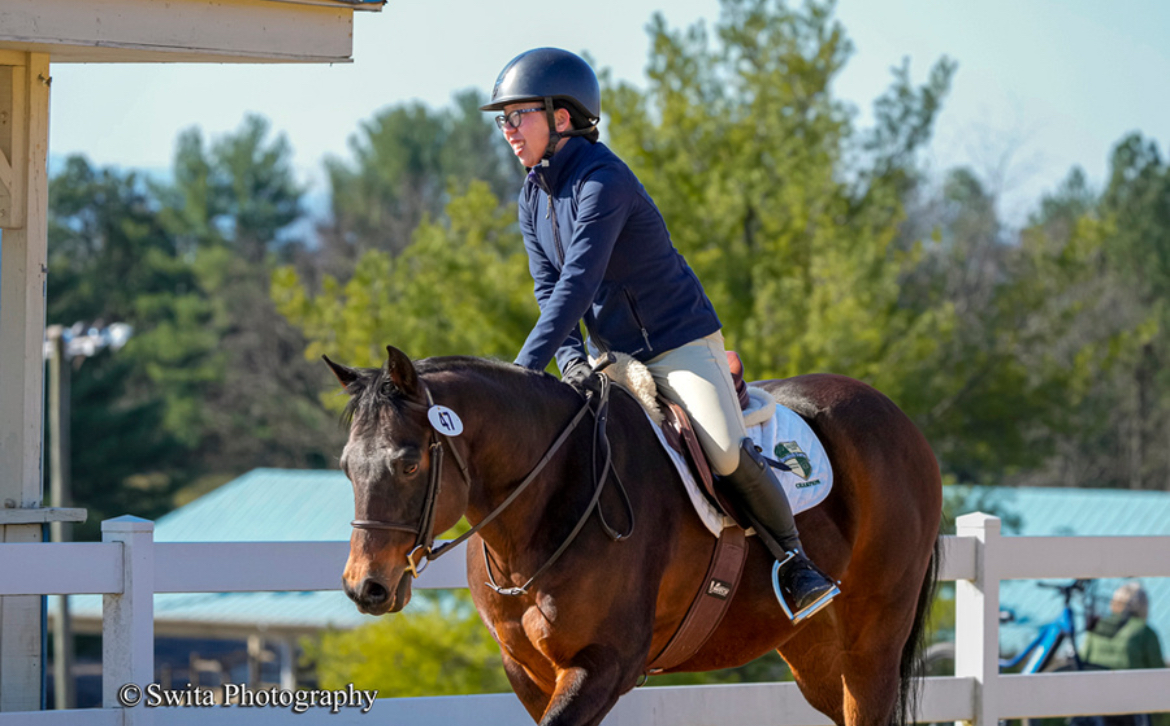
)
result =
(344, 374)
(401, 371)
(564, 120)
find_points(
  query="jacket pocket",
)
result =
(638, 317)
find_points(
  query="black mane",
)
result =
(374, 388)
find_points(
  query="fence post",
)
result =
(977, 616)
(128, 618)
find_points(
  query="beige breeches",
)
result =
(696, 376)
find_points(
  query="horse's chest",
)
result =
(532, 631)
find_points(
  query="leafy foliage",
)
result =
(408, 160)
(111, 261)
(461, 286)
(231, 206)
(749, 156)
(436, 647)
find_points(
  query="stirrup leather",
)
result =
(808, 611)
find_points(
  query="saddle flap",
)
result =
(681, 435)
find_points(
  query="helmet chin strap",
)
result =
(554, 136)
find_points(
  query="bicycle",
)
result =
(1053, 649)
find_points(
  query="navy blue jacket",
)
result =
(609, 263)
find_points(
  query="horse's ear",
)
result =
(344, 374)
(401, 370)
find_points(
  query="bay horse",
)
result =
(580, 634)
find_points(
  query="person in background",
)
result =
(1123, 640)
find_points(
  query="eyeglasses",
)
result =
(515, 118)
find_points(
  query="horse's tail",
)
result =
(912, 666)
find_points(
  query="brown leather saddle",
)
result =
(680, 434)
(723, 573)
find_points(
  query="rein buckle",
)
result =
(412, 567)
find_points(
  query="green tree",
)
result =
(240, 192)
(232, 205)
(785, 211)
(437, 647)
(1137, 202)
(461, 287)
(407, 162)
(111, 260)
(1032, 334)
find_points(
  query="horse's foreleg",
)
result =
(534, 698)
(587, 688)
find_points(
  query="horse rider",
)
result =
(599, 251)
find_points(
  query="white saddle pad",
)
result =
(785, 437)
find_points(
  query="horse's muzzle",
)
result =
(374, 597)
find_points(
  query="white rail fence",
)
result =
(128, 568)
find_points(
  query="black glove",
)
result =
(580, 376)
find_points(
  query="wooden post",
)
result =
(24, 141)
(977, 616)
(128, 618)
(60, 492)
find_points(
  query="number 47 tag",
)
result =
(444, 420)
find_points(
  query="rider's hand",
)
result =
(580, 376)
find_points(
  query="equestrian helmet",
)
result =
(543, 73)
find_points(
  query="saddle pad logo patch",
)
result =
(793, 458)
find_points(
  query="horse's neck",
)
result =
(508, 427)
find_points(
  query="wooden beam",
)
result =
(13, 118)
(42, 515)
(22, 286)
(23, 270)
(89, 31)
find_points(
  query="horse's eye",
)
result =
(410, 468)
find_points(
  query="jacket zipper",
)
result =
(551, 213)
(556, 232)
(638, 318)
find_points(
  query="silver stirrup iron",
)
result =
(808, 611)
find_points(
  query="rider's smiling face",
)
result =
(529, 141)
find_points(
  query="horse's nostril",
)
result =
(373, 592)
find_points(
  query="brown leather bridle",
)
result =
(424, 530)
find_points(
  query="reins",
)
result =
(424, 530)
(601, 417)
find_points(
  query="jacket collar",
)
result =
(560, 166)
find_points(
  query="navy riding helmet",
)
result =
(558, 79)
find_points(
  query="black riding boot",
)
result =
(801, 588)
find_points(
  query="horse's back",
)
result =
(884, 458)
(887, 491)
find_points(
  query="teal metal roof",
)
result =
(1043, 512)
(264, 505)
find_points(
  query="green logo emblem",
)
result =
(789, 454)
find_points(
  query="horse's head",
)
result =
(388, 459)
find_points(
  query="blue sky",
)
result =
(1041, 85)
